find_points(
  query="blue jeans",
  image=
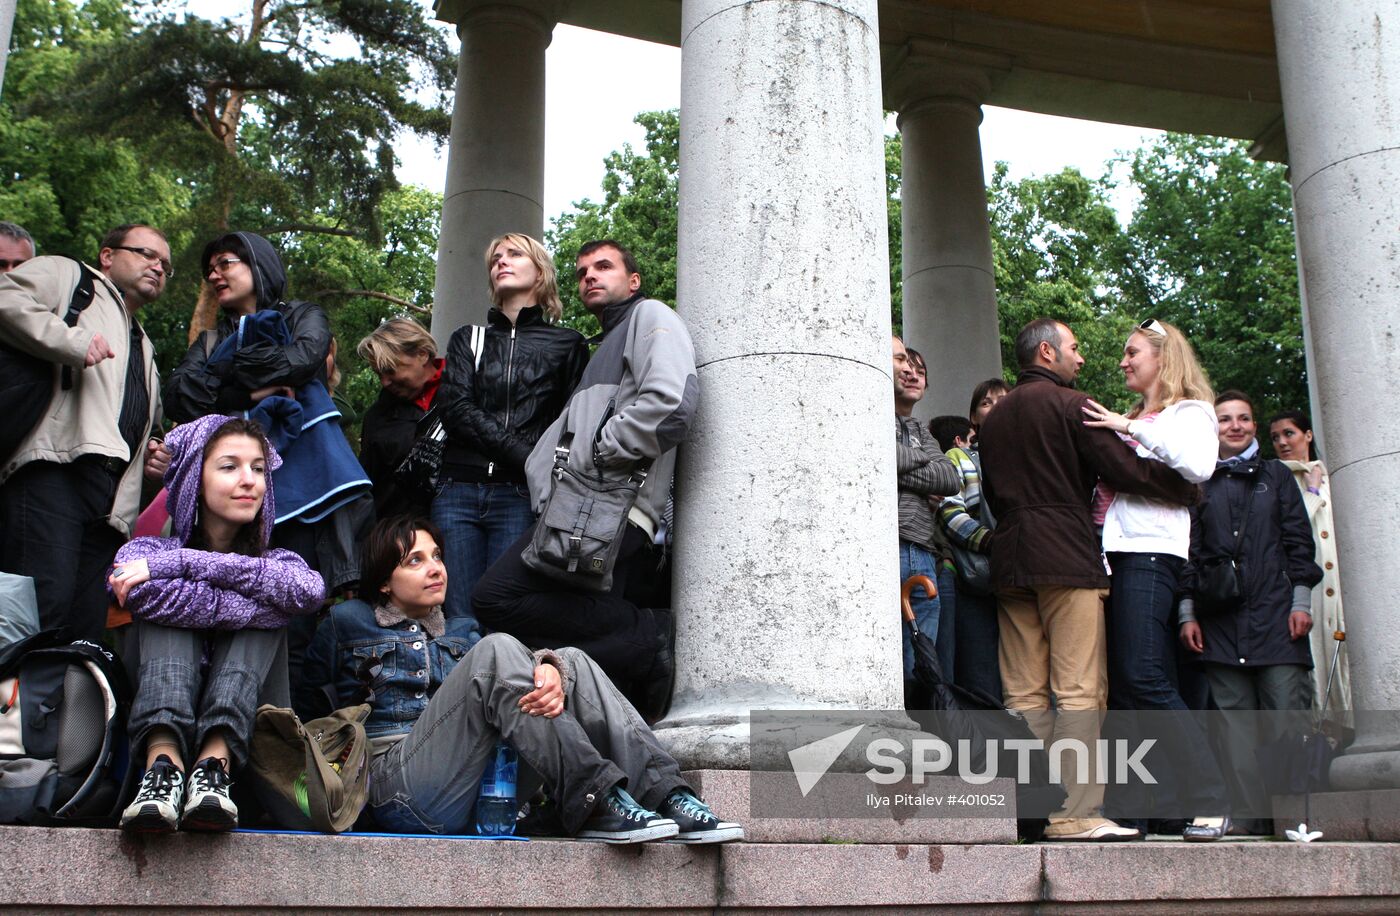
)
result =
(916, 561)
(977, 666)
(947, 617)
(1142, 656)
(478, 522)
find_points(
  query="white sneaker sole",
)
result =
(641, 835)
(212, 814)
(724, 833)
(150, 817)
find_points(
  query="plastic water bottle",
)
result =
(495, 804)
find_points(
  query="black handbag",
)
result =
(1220, 580)
(579, 534)
(422, 466)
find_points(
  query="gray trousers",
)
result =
(1245, 696)
(427, 782)
(175, 691)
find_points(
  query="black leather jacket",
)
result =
(494, 415)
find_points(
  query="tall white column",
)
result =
(786, 554)
(7, 23)
(495, 158)
(1339, 65)
(950, 304)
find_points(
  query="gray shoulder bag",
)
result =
(579, 533)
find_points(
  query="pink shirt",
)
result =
(1103, 493)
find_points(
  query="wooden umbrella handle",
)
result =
(907, 590)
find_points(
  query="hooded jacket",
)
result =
(635, 401)
(207, 590)
(1276, 554)
(197, 388)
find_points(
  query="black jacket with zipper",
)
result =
(1276, 553)
(494, 415)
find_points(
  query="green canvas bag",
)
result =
(312, 776)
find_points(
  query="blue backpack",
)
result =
(63, 744)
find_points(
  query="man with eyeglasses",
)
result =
(70, 494)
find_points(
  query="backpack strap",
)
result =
(81, 299)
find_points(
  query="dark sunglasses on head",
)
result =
(1153, 325)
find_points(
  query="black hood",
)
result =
(269, 276)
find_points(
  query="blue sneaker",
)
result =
(619, 819)
(698, 824)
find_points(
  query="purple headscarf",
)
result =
(184, 477)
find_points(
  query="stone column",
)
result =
(950, 305)
(495, 158)
(7, 23)
(1339, 65)
(786, 559)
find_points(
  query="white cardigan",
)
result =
(1183, 436)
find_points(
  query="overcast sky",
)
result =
(579, 135)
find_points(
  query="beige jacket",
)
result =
(83, 420)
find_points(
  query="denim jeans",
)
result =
(478, 522)
(1142, 660)
(975, 650)
(917, 561)
(947, 620)
(427, 782)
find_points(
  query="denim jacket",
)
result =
(396, 668)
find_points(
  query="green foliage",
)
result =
(639, 209)
(894, 153)
(1212, 251)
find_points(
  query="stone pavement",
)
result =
(71, 870)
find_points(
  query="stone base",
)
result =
(728, 792)
(1373, 815)
(70, 870)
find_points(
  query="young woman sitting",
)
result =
(215, 594)
(441, 705)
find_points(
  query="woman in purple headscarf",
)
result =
(210, 605)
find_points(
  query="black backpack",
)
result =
(63, 747)
(26, 381)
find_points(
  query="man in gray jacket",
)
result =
(635, 402)
(70, 494)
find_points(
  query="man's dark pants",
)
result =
(53, 527)
(545, 613)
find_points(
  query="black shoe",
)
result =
(156, 808)
(698, 824)
(1206, 829)
(654, 693)
(207, 805)
(619, 819)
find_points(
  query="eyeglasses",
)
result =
(222, 265)
(166, 267)
(1153, 325)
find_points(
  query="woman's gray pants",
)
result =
(427, 782)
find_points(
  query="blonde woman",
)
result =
(495, 405)
(1292, 435)
(1146, 543)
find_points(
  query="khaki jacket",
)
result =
(82, 420)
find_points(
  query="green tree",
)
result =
(639, 209)
(282, 118)
(1212, 251)
(1056, 251)
(894, 213)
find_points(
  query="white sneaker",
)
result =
(207, 805)
(156, 808)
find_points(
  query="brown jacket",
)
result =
(1039, 466)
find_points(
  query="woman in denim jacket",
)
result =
(442, 700)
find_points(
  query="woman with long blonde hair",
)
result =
(503, 385)
(1146, 544)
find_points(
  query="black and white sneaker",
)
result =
(697, 823)
(207, 805)
(156, 808)
(619, 819)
